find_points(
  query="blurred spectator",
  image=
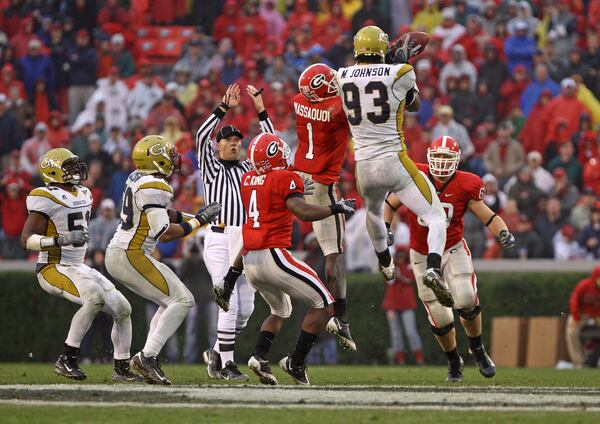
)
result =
(565, 244)
(591, 175)
(446, 125)
(279, 71)
(114, 92)
(97, 154)
(520, 47)
(505, 155)
(533, 91)
(465, 103)
(584, 309)
(83, 12)
(21, 41)
(35, 66)
(196, 60)
(489, 16)
(144, 95)
(121, 58)
(457, 67)
(589, 238)
(227, 23)
(251, 30)
(58, 135)
(493, 197)
(561, 28)
(533, 133)
(103, 227)
(112, 12)
(369, 12)
(79, 143)
(541, 177)
(174, 134)
(58, 56)
(449, 30)
(275, 22)
(399, 304)
(165, 108)
(14, 214)
(510, 214)
(528, 243)
(581, 215)
(563, 189)
(548, 224)
(526, 194)
(8, 81)
(493, 70)
(568, 162)
(187, 89)
(122, 169)
(116, 141)
(34, 148)
(524, 16)
(231, 70)
(10, 133)
(82, 63)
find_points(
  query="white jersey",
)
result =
(374, 96)
(66, 211)
(142, 192)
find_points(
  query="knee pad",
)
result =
(470, 315)
(95, 295)
(442, 331)
(121, 307)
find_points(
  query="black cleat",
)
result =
(232, 373)
(342, 331)
(68, 366)
(122, 373)
(262, 369)
(298, 374)
(213, 364)
(433, 280)
(222, 294)
(455, 371)
(150, 369)
(486, 366)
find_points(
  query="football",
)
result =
(409, 45)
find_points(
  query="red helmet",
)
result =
(268, 152)
(317, 83)
(443, 156)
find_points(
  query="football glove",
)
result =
(309, 186)
(345, 206)
(208, 213)
(506, 239)
(399, 52)
(76, 238)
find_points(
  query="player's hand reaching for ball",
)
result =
(309, 186)
(255, 95)
(232, 96)
(345, 206)
(208, 213)
(76, 238)
(506, 239)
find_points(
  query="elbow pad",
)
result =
(158, 220)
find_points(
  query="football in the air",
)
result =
(410, 44)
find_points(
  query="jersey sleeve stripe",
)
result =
(150, 206)
(404, 69)
(416, 176)
(292, 195)
(43, 193)
(400, 123)
(156, 185)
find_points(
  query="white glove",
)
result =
(76, 238)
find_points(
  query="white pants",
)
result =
(154, 281)
(329, 231)
(87, 287)
(458, 274)
(396, 321)
(277, 276)
(220, 250)
(397, 173)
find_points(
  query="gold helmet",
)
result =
(371, 41)
(63, 167)
(154, 154)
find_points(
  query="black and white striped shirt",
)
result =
(222, 178)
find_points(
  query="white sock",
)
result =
(121, 337)
(81, 323)
(166, 325)
(226, 357)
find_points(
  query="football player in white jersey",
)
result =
(57, 228)
(146, 218)
(374, 96)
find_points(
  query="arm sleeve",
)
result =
(206, 158)
(158, 219)
(266, 126)
(155, 197)
(291, 184)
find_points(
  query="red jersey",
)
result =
(454, 196)
(269, 222)
(323, 133)
(585, 298)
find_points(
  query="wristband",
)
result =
(189, 226)
(335, 208)
(487, 224)
(179, 217)
(37, 242)
(224, 106)
(232, 274)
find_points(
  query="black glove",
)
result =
(208, 213)
(506, 239)
(76, 238)
(345, 206)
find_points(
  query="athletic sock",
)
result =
(400, 358)
(434, 261)
(475, 342)
(121, 364)
(340, 310)
(303, 346)
(385, 259)
(263, 344)
(452, 355)
(70, 350)
(226, 356)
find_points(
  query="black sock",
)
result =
(340, 310)
(475, 342)
(452, 355)
(303, 346)
(70, 350)
(434, 261)
(384, 257)
(121, 363)
(263, 344)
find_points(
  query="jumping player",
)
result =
(57, 228)
(272, 195)
(375, 96)
(459, 191)
(323, 134)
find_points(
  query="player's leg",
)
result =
(418, 194)
(574, 346)
(440, 318)
(459, 273)
(66, 282)
(409, 323)
(397, 342)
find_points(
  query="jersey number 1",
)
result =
(253, 210)
(311, 147)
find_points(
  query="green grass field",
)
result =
(97, 400)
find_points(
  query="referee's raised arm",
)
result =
(266, 125)
(209, 164)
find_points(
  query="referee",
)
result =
(222, 174)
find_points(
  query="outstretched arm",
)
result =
(308, 212)
(33, 238)
(496, 224)
(266, 125)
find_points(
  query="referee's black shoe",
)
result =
(232, 373)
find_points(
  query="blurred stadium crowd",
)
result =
(516, 83)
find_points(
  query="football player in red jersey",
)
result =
(458, 191)
(323, 133)
(272, 194)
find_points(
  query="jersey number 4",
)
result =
(253, 210)
(380, 100)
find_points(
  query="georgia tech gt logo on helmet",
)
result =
(157, 149)
(48, 163)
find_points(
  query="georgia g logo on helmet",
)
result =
(317, 81)
(272, 149)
